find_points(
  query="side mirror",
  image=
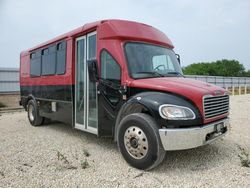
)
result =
(93, 70)
(178, 58)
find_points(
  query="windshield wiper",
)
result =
(151, 72)
(177, 73)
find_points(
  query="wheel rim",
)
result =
(136, 142)
(31, 113)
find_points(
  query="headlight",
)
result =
(173, 112)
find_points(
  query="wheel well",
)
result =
(27, 101)
(135, 108)
(130, 109)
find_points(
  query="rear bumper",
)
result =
(180, 139)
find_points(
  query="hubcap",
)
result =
(31, 113)
(136, 142)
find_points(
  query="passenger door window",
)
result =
(92, 115)
(80, 81)
(92, 47)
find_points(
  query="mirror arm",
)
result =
(178, 58)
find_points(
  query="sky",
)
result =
(201, 31)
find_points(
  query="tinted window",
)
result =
(92, 47)
(61, 58)
(47, 67)
(110, 69)
(33, 55)
(45, 51)
(49, 61)
(52, 58)
(35, 64)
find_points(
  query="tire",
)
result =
(33, 114)
(139, 141)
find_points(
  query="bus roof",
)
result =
(115, 29)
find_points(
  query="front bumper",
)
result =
(186, 138)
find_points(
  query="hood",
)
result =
(179, 85)
(192, 89)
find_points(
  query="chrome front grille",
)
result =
(215, 105)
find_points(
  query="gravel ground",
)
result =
(55, 155)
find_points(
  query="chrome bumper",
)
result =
(186, 138)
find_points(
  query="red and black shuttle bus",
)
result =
(122, 79)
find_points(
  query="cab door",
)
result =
(86, 114)
(110, 95)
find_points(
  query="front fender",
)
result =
(149, 102)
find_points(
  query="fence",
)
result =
(235, 85)
(9, 80)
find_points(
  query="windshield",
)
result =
(146, 61)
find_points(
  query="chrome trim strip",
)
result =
(209, 111)
(217, 114)
(217, 104)
(217, 101)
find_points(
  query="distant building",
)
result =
(9, 80)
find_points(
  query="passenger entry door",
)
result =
(86, 117)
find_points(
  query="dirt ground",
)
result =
(10, 100)
(55, 155)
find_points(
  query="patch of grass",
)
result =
(2, 105)
(67, 164)
(85, 164)
(86, 153)
(244, 157)
(61, 157)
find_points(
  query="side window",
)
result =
(61, 58)
(110, 69)
(49, 61)
(48, 66)
(52, 59)
(162, 62)
(35, 64)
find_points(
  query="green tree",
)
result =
(247, 73)
(222, 67)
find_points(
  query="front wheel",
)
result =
(139, 141)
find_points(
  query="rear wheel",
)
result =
(33, 115)
(139, 141)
